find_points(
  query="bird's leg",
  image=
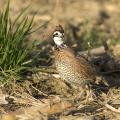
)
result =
(80, 95)
(89, 94)
(85, 96)
(82, 92)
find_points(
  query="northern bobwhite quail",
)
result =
(76, 71)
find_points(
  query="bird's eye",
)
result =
(56, 33)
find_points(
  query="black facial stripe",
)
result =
(55, 33)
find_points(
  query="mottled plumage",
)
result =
(71, 69)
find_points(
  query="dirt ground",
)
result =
(39, 97)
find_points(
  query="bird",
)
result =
(76, 71)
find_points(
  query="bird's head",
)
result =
(58, 36)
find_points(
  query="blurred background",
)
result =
(28, 70)
(87, 22)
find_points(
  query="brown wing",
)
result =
(86, 68)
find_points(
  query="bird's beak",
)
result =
(53, 35)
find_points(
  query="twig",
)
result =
(111, 71)
(112, 108)
(40, 92)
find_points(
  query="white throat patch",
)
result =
(58, 41)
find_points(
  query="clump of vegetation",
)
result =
(92, 38)
(85, 36)
(14, 53)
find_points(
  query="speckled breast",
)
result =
(71, 69)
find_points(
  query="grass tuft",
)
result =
(14, 53)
